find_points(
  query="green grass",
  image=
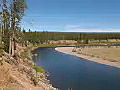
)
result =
(47, 45)
(39, 69)
(95, 44)
(53, 45)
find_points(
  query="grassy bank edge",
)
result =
(28, 54)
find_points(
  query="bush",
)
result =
(39, 69)
(73, 50)
(1, 46)
(25, 54)
(1, 52)
(35, 81)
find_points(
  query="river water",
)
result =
(68, 72)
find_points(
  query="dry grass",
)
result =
(111, 54)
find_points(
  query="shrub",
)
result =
(39, 69)
(73, 50)
(1, 52)
(35, 81)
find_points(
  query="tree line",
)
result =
(41, 37)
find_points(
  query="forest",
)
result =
(11, 32)
(11, 14)
(40, 37)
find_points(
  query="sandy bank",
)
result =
(94, 55)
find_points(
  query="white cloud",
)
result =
(78, 28)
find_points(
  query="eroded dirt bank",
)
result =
(18, 73)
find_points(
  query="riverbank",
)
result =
(20, 72)
(95, 54)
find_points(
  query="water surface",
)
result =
(77, 73)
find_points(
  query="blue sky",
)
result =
(73, 15)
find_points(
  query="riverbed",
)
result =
(68, 72)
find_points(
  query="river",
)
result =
(68, 72)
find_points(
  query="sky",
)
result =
(73, 15)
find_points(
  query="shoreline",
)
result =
(68, 50)
(45, 80)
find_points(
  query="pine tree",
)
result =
(18, 8)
